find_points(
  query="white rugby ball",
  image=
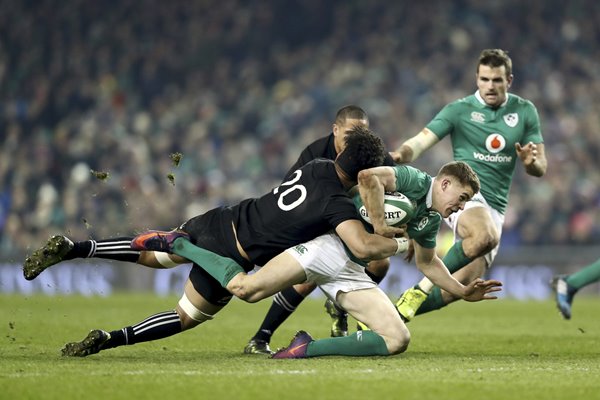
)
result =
(397, 207)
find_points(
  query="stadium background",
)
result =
(239, 88)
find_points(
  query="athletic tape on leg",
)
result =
(192, 311)
(164, 259)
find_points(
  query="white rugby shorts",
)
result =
(326, 264)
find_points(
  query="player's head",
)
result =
(346, 118)
(362, 150)
(454, 185)
(494, 76)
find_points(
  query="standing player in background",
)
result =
(489, 130)
(566, 286)
(285, 302)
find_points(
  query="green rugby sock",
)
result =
(361, 343)
(455, 258)
(221, 268)
(433, 302)
(585, 276)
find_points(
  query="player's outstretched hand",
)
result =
(481, 290)
(527, 153)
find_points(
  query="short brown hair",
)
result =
(495, 58)
(463, 172)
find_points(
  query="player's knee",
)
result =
(395, 334)
(240, 288)
(398, 343)
(482, 243)
(191, 315)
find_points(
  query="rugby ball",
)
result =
(397, 207)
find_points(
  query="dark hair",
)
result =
(495, 58)
(363, 150)
(350, 112)
(463, 172)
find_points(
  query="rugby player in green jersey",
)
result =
(341, 277)
(489, 130)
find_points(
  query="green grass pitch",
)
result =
(502, 349)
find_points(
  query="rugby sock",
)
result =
(455, 258)
(157, 326)
(433, 302)
(112, 249)
(360, 343)
(585, 276)
(284, 304)
(223, 269)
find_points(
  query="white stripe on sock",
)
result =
(283, 303)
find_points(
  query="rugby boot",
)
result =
(53, 252)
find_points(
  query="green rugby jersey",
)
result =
(485, 138)
(416, 185)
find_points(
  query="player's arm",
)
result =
(411, 149)
(372, 185)
(433, 268)
(533, 156)
(367, 246)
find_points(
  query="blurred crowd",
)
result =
(96, 97)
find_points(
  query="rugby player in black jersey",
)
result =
(285, 302)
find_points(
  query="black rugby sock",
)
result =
(157, 326)
(113, 249)
(284, 304)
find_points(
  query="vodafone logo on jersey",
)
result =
(495, 143)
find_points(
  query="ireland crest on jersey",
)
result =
(511, 119)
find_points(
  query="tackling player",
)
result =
(489, 130)
(285, 302)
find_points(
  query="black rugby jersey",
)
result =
(325, 148)
(309, 203)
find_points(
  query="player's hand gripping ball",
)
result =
(397, 207)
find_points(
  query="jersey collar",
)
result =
(483, 103)
(429, 197)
